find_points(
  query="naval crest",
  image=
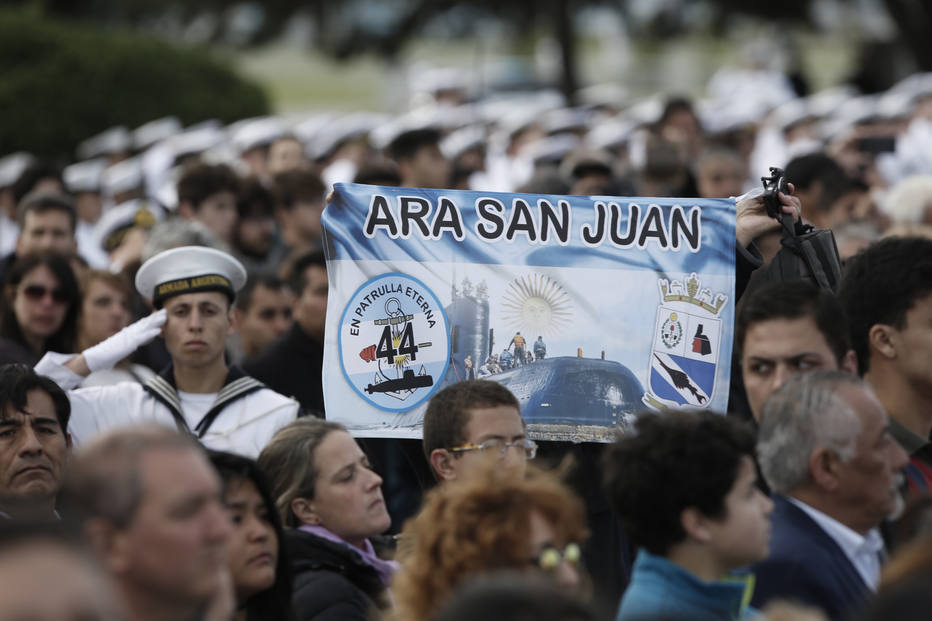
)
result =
(685, 351)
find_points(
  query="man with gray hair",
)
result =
(150, 506)
(825, 448)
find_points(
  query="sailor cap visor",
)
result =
(189, 269)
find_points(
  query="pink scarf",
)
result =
(384, 568)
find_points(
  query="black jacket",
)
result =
(331, 582)
(292, 366)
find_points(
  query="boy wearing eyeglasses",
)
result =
(684, 488)
(470, 422)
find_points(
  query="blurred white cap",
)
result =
(114, 140)
(84, 176)
(122, 177)
(149, 133)
(12, 166)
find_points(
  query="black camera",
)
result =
(776, 182)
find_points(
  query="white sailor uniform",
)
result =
(242, 420)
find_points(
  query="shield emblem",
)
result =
(685, 350)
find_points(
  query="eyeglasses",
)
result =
(550, 558)
(497, 444)
(37, 292)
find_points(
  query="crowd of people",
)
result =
(164, 445)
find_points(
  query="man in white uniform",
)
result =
(193, 288)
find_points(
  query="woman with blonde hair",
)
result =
(491, 522)
(331, 501)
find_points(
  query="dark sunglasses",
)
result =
(37, 292)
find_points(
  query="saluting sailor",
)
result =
(193, 289)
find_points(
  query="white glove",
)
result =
(107, 353)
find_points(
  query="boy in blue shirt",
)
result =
(684, 488)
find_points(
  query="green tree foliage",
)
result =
(62, 82)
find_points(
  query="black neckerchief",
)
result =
(237, 384)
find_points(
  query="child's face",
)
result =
(742, 536)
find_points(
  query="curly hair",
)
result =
(477, 526)
(676, 460)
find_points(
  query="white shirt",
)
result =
(196, 405)
(863, 552)
(245, 425)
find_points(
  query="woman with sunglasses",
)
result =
(493, 521)
(329, 496)
(255, 553)
(39, 308)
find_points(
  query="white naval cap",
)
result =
(149, 133)
(552, 149)
(564, 120)
(123, 176)
(84, 176)
(610, 134)
(462, 140)
(113, 225)
(12, 166)
(189, 269)
(113, 140)
(257, 132)
(342, 130)
(197, 139)
(311, 127)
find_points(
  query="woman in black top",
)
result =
(332, 501)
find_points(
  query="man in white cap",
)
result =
(193, 288)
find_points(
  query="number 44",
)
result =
(406, 346)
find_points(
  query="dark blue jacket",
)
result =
(806, 564)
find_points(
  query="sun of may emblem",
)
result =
(671, 332)
(538, 304)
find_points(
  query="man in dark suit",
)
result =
(825, 448)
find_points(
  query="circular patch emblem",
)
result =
(672, 331)
(394, 342)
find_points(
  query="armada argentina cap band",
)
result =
(189, 269)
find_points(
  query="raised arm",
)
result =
(105, 354)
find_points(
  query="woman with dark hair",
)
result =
(332, 501)
(259, 569)
(39, 308)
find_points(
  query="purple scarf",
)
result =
(384, 568)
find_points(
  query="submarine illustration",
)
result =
(562, 391)
(398, 349)
(407, 381)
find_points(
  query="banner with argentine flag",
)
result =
(588, 308)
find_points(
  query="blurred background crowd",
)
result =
(132, 127)
(608, 108)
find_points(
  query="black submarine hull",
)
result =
(573, 391)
